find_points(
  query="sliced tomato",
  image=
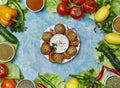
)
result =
(51, 57)
(65, 56)
(76, 12)
(3, 70)
(75, 43)
(90, 6)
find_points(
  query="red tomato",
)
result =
(8, 83)
(78, 2)
(90, 6)
(3, 70)
(76, 12)
(62, 9)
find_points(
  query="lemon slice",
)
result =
(3, 2)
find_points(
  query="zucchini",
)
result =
(7, 35)
(109, 54)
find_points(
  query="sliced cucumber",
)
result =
(3, 2)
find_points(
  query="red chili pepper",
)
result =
(41, 85)
(100, 74)
(112, 70)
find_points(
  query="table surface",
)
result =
(29, 58)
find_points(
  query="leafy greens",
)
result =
(87, 79)
(18, 25)
(55, 80)
(13, 71)
(106, 26)
(104, 60)
(51, 5)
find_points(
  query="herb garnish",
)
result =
(53, 47)
(19, 24)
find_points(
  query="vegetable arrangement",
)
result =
(9, 75)
(108, 53)
(109, 49)
(12, 15)
(76, 8)
(106, 11)
(49, 80)
(88, 79)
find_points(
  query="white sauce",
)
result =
(61, 42)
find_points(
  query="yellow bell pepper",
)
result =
(7, 14)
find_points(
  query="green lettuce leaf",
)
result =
(115, 6)
(14, 71)
(51, 5)
(55, 79)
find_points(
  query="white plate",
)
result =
(67, 27)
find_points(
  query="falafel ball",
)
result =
(58, 58)
(47, 36)
(72, 36)
(71, 51)
(59, 28)
(45, 49)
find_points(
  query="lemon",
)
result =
(112, 38)
(102, 13)
(72, 83)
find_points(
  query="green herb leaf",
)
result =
(53, 47)
(18, 25)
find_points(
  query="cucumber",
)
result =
(7, 35)
(109, 54)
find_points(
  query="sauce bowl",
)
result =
(116, 25)
(7, 52)
(35, 5)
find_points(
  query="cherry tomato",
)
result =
(78, 2)
(3, 70)
(90, 6)
(62, 9)
(76, 12)
(8, 83)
